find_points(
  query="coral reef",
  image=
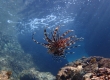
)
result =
(69, 72)
(100, 74)
(91, 68)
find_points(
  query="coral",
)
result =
(91, 68)
(5, 75)
(100, 74)
(69, 72)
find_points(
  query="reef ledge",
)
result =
(91, 68)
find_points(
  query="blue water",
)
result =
(88, 18)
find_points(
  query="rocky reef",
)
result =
(91, 68)
(15, 64)
(33, 74)
(12, 57)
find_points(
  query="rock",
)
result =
(91, 68)
(33, 74)
(5, 75)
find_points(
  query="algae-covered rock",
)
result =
(33, 74)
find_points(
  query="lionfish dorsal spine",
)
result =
(55, 33)
(65, 33)
(46, 37)
(35, 40)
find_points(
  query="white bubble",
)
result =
(9, 21)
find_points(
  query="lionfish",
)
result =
(58, 45)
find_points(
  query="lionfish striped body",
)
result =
(58, 44)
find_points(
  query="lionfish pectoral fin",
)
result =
(68, 48)
(69, 52)
(63, 56)
(81, 38)
(56, 58)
